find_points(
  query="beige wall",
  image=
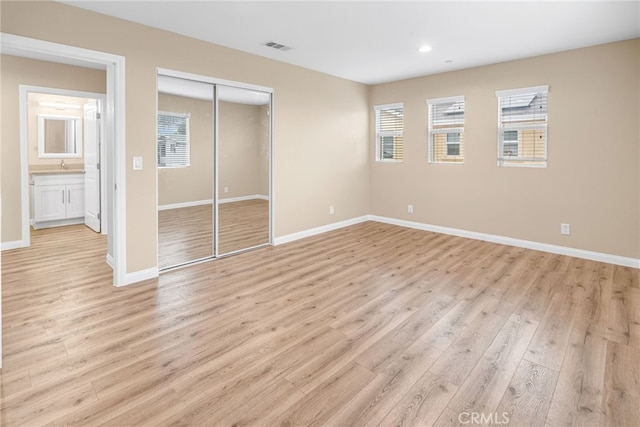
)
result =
(593, 176)
(192, 183)
(13, 72)
(321, 133)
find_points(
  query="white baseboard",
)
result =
(57, 223)
(110, 261)
(210, 202)
(185, 204)
(16, 244)
(243, 198)
(527, 244)
(318, 230)
(152, 273)
(139, 276)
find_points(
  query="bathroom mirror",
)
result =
(59, 137)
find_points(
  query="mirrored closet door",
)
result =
(185, 152)
(244, 134)
(214, 169)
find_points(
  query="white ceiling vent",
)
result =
(278, 46)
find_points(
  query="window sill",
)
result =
(522, 165)
(452, 162)
(173, 167)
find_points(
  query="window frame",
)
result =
(515, 142)
(187, 117)
(453, 143)
(382, 135)
(506, 126)
(432, 132)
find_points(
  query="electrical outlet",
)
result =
(410, 209)
(226, 189)
(331, 210)
(565, 229)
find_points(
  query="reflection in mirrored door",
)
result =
(185, 158)
(243, 153)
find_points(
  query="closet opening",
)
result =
(214, 151)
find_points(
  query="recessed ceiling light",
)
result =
(424, 48)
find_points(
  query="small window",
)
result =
(389, 132)
(510, 143)
(446, 130)
(388, 147)
(522, 127)
(453, 144)
(173, 140)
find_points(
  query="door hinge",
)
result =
(99, 216)
(98, 166)
(98, 115)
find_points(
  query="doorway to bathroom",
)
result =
(62, 132)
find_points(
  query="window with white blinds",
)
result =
(389, 132)
(173, 140)
(522, 126)
(446, 130)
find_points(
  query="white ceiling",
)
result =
(374, 42)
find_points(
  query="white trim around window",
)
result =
(389, 127)
(446, 119)
(523, 111)
(522, 91)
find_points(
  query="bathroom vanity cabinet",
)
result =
(58, 199)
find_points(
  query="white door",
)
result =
(91, 166)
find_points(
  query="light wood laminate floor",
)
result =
(368, 325)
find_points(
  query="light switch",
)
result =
(137, 163)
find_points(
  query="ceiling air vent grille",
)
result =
(277, 46)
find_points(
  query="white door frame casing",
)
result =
(24, 150)
(114, 132)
